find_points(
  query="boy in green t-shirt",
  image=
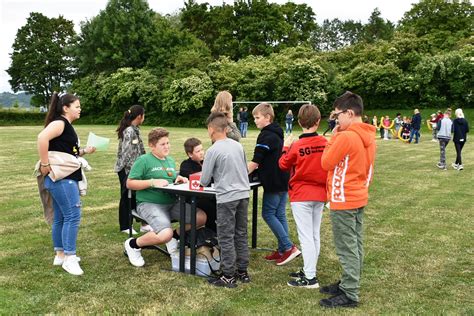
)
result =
(156, 170)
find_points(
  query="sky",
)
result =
(13, 15)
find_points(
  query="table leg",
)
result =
(182, 232)
(254, 217)
(192, 241)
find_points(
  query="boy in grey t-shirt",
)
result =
(225, 162)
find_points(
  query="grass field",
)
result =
(418, 241)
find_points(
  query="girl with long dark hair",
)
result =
(129, 149)
(59, 135)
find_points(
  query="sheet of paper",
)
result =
(100, 143)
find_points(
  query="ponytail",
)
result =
(128, 117)
(56, 106)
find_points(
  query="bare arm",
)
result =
(53, 130)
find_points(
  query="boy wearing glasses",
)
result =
(349, 159)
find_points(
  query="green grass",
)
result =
(418, 243)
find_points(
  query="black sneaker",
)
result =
(331, 289)
(304, 282)
(340, 300)
(223, 281)
(242, 276)
(297, 274)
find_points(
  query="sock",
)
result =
(175, 234)
(133, 243)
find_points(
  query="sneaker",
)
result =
(331, 289)
(460, 167)
(223, 281)
(455, 166)
(304, 282)
(58, 261)
(273, 256)
(441, 166)
(242, 276)
(71, 265)
(340, 300)
(134, 255)
(127, 231)
(298, 274)
(172, 246)
(145, 229)
(288, 255)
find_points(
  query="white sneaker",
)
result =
(71, 265)
(460, 167)
(134, 255)
(455, 166)
(127, 231)
(146, 229)
(172, 246)
(58, 261)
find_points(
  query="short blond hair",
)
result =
(223, 104)
(264, 109)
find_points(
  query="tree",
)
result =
(443, 22)
(122, 35)
(41, 62)
(377, 28)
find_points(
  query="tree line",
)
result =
(175, 64)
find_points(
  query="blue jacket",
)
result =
(416, 121)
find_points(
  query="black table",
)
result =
(183, 192)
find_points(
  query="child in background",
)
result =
(274, 181)
(386, 127)
(307, 191)
(195, 152)
(398, 123)
(225, 163)
(433, 122)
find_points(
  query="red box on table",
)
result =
(195, 182)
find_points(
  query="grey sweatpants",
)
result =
(232, 235)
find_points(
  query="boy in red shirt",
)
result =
(307, 189)
(349, 159)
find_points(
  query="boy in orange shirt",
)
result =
(349, 159)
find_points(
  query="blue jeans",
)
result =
(289, 127)
(415, 132)
(67, 213)
(274, 214)
(243, 128)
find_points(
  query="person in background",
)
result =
(223, 104)
(195, 152)
(244, 122)
(241, 109)
(59, 135)
(289, 122)
(130, 147)
(415, 126)
(302, 159)
(157, 169)
(398, 121)
(433, 122)
(444, 128)
(225, 163)
(274, 181)
(460, 130)
(349, 159)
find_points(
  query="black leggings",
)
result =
(459, 147)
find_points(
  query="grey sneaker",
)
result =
(441, 166)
